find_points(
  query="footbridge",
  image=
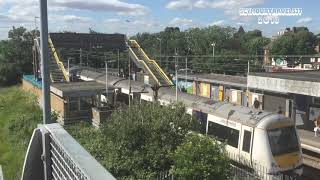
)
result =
(59, 71)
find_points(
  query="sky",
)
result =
(133, 16)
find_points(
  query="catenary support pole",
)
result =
(80, 57)
(129, 80)
(176, 72)
(107, 81)
(45, 62)
(118, 62)
(186, 70)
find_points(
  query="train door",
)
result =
(246, 145)
(202, 117)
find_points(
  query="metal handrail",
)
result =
(59, 62)
(145, 65)
(163, 74)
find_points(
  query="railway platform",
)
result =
(310, 148)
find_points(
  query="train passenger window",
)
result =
(246, 141)
(224, 133)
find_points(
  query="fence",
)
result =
(242, 169)
(238, 173)
(54, 154)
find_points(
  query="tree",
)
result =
(8, 74)
(16, 55)
(200, 157)
(139, 141)
(297, 42)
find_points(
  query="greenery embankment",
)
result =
(19, 115)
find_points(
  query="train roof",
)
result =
(240, 114)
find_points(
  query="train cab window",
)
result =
(224, 133)
(283, 140)
(246, 141)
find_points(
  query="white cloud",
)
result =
(130, 27)
(304, 20)
(226, 4)
(217, 23)
(69, 18)
(180, 4)
(122, 8)
(230, 7)
(63, 14)
(181, 22)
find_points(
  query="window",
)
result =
(316, 100)
(73, 104)
(85, 103)
(283, 140)
(224, 133)
(246, 141)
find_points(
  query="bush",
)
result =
(19, 115)
(137, 143)
(8, 74)
(200, 157)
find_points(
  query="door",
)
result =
(246, 145)
(202, 118)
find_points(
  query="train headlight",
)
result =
(299, 170)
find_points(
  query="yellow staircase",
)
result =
(58, 73)
(149, 65)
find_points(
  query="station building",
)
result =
(72, 101)
(294, 94)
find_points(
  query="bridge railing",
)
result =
(54, 154)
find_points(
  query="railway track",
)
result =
(311, 169)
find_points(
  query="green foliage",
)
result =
(137, 143)
(142, 138)
(19, 115)
(16, 55)
(298, 42)
(195, 43)
(200, 157)
(8, 74)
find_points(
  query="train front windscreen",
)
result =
(283, 140)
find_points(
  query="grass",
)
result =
(19, 115)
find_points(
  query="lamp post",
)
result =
(106, 64)
(69, 59)
(213, 45)
(160, 40)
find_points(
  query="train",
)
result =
(254, 138)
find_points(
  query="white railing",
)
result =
(54, 154)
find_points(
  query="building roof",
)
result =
(312, 76)
(87, 41)
(76, 89)
(237, 81)
(303, 82)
